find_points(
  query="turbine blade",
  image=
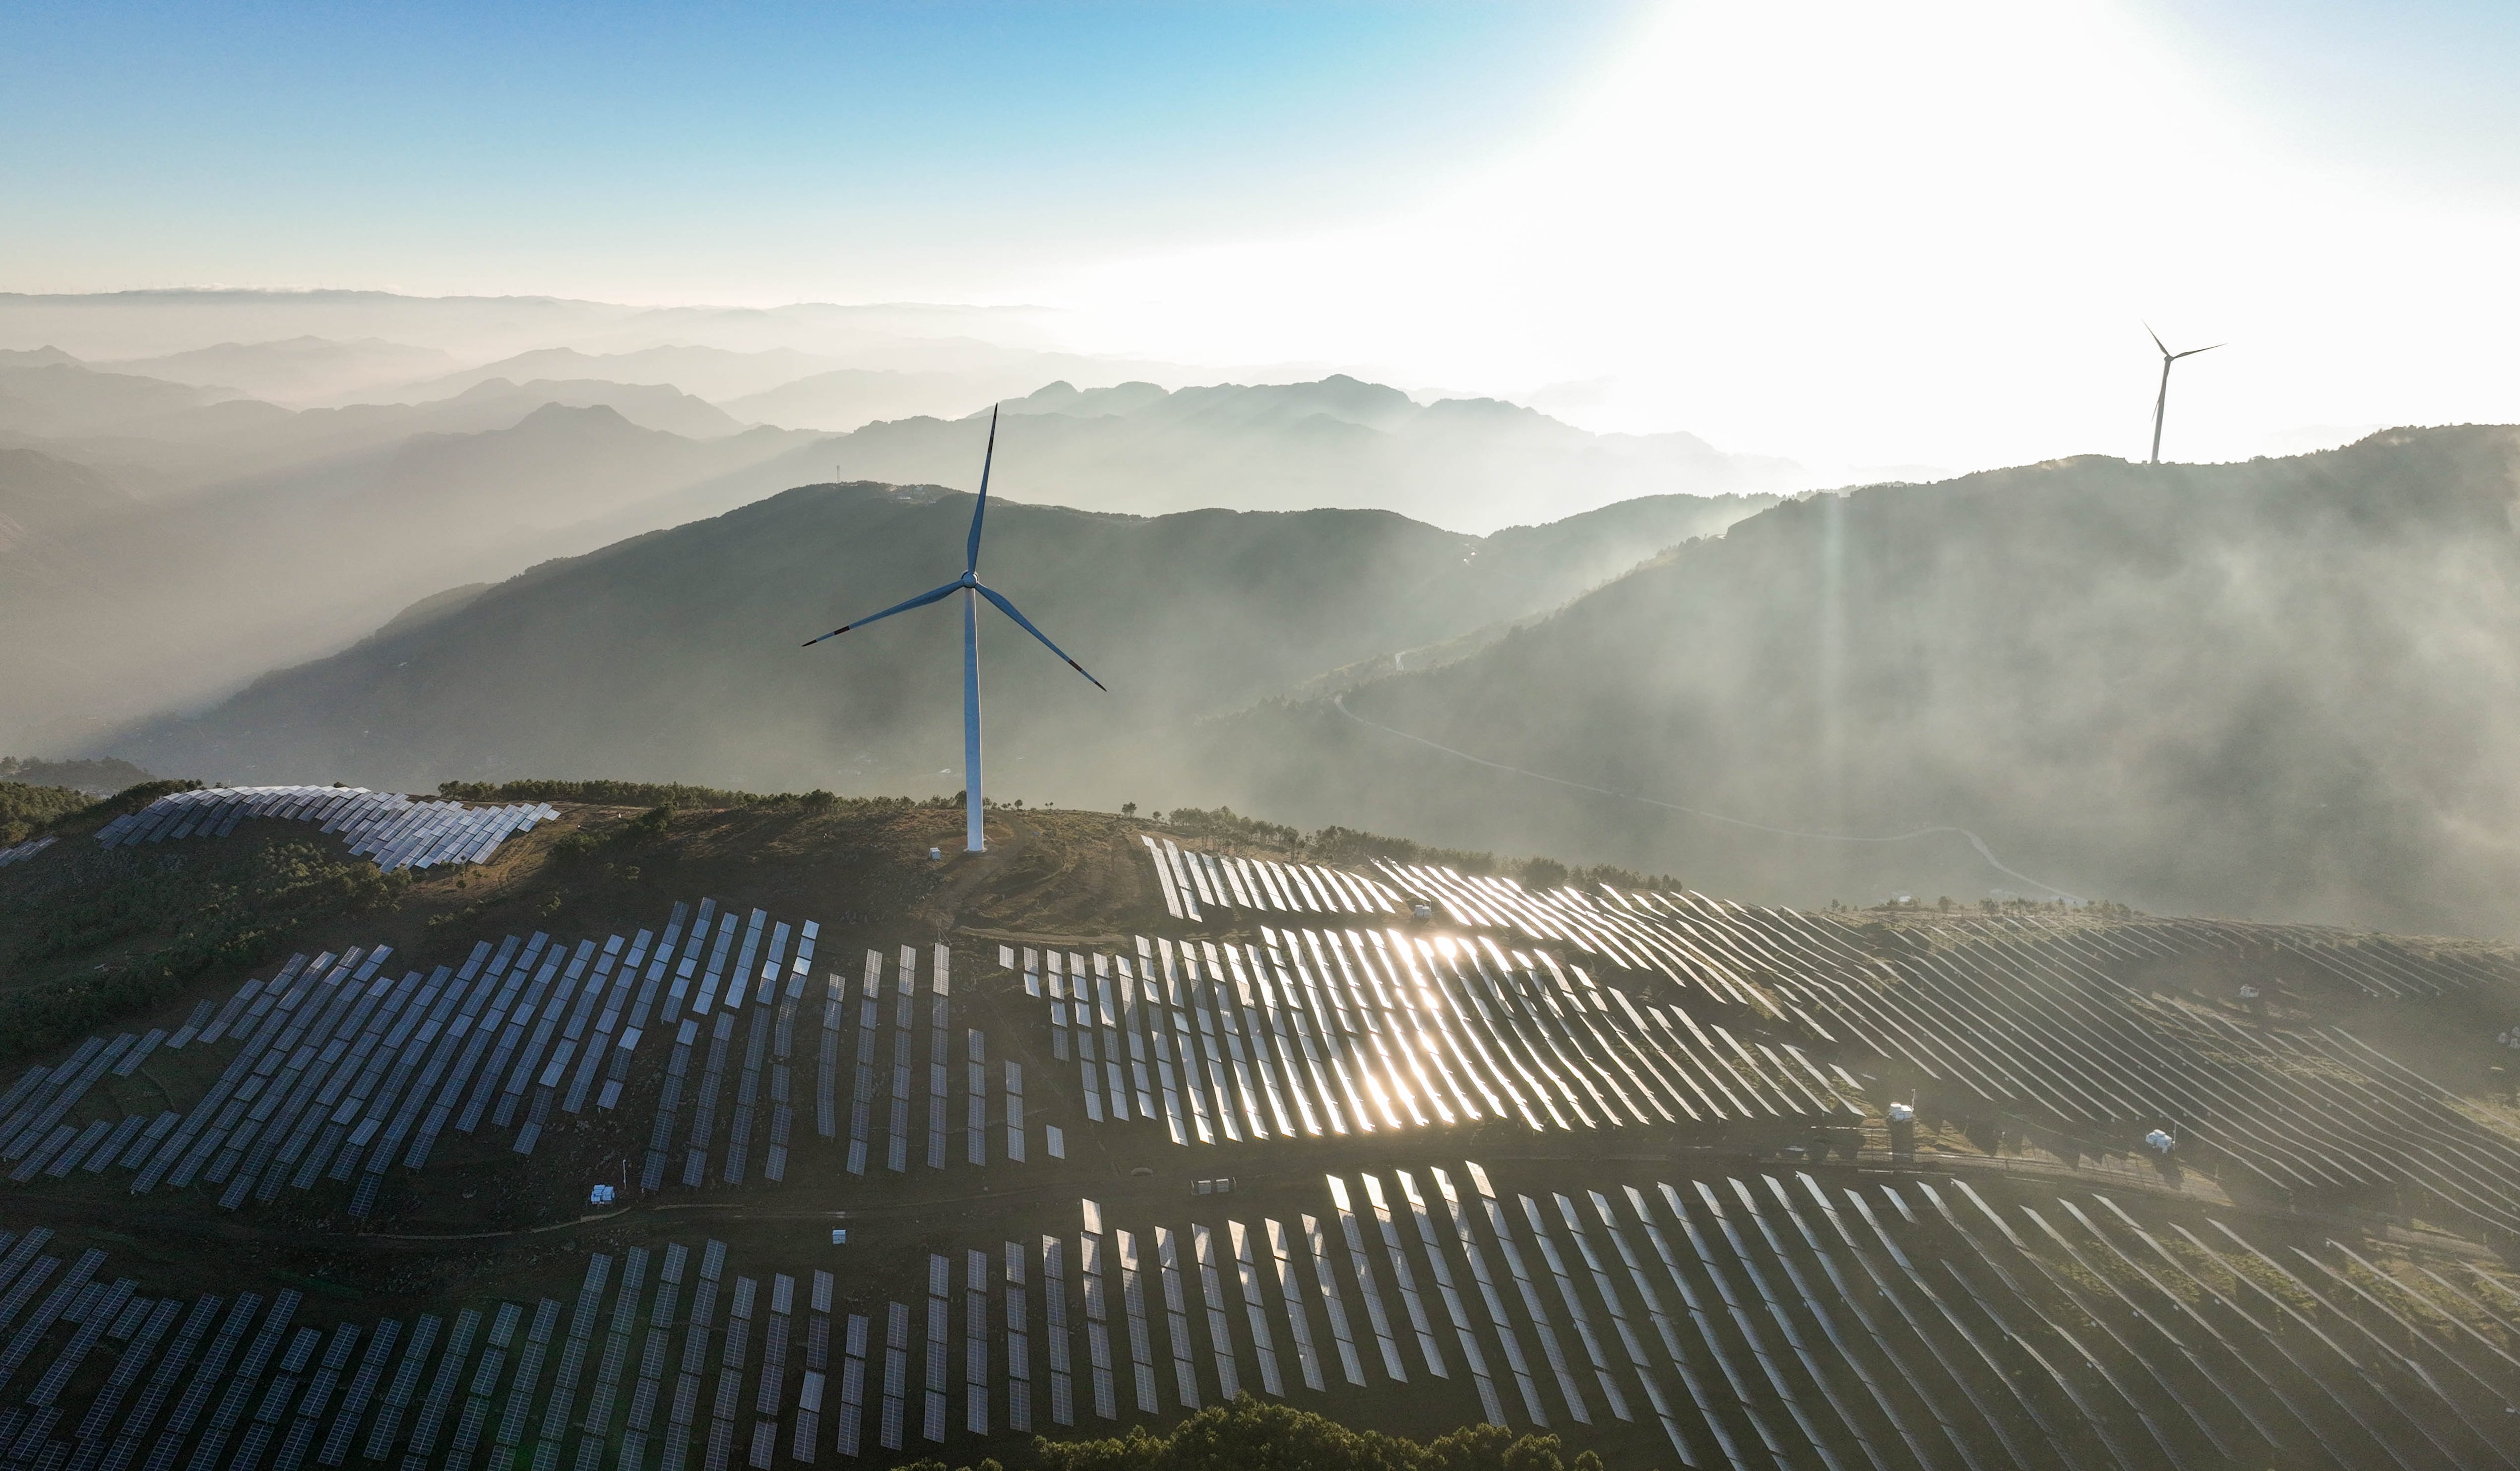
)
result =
(1025, 624)
(2156, 339)
(979, 507)
(2192, 351)
(921, 601)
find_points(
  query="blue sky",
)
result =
(282, 143)
(1860, 234)
(278, 144)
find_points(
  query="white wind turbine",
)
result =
(973, 590)
(2162, 402)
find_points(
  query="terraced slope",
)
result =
(546, 1161)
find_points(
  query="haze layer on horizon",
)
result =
(1862, 237)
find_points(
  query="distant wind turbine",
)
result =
(973, 590)
(2162, 402)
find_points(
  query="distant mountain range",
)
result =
(155, 324)
(677, 651)
(168, 437)
(119, 607)
(298, 372)
(199, 486)
(1474, 464)
(213, 537)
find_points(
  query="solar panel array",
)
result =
(1744, 1319)
(2044, 1015)
(336, 1068)
(18, 853)
(1312, 1034)
(1739, 1315)
(396, 831)
(1193, 882)
(2052, 1023)
(1633, 932)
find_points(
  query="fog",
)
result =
(675, 655)
(201, 486)
(2286, 689)
(2278, 689)
(2274, 689)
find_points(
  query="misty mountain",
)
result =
(41, 497)
(61, 399)
(556, 465)
(650, 405)
(677, 651)
(2288, 688)
(295, 373)
(711, 373)
(169, 437)
(123, 614)
(149, 323)
(800, 390)
(1468, 464)
(848, 398)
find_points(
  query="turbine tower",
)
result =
(2162, 401)
(972, 590)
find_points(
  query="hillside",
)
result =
(44, 497)
(1405, 1172)
(2281, 689)
(628, 660)
(132, 607)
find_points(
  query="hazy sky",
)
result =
(1858, 234)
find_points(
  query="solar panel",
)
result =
(1018, 1340)
(1290, 1294)
(1014, 1110)
(852, 1384)
(1220, 1339)
(1133, 1301)
(1574, 1309)
(1248, 1277)
(1164, 877)
(1054, 1309)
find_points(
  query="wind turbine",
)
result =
(2162, 402)
(973, 590)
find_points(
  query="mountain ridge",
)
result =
(1284, 595)
(2263, 690)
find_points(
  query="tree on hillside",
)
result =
(1248, 1435)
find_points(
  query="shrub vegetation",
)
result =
(162, 917)
(1248, 1435)
(25, 811)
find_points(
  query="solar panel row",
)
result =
(396, 831)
